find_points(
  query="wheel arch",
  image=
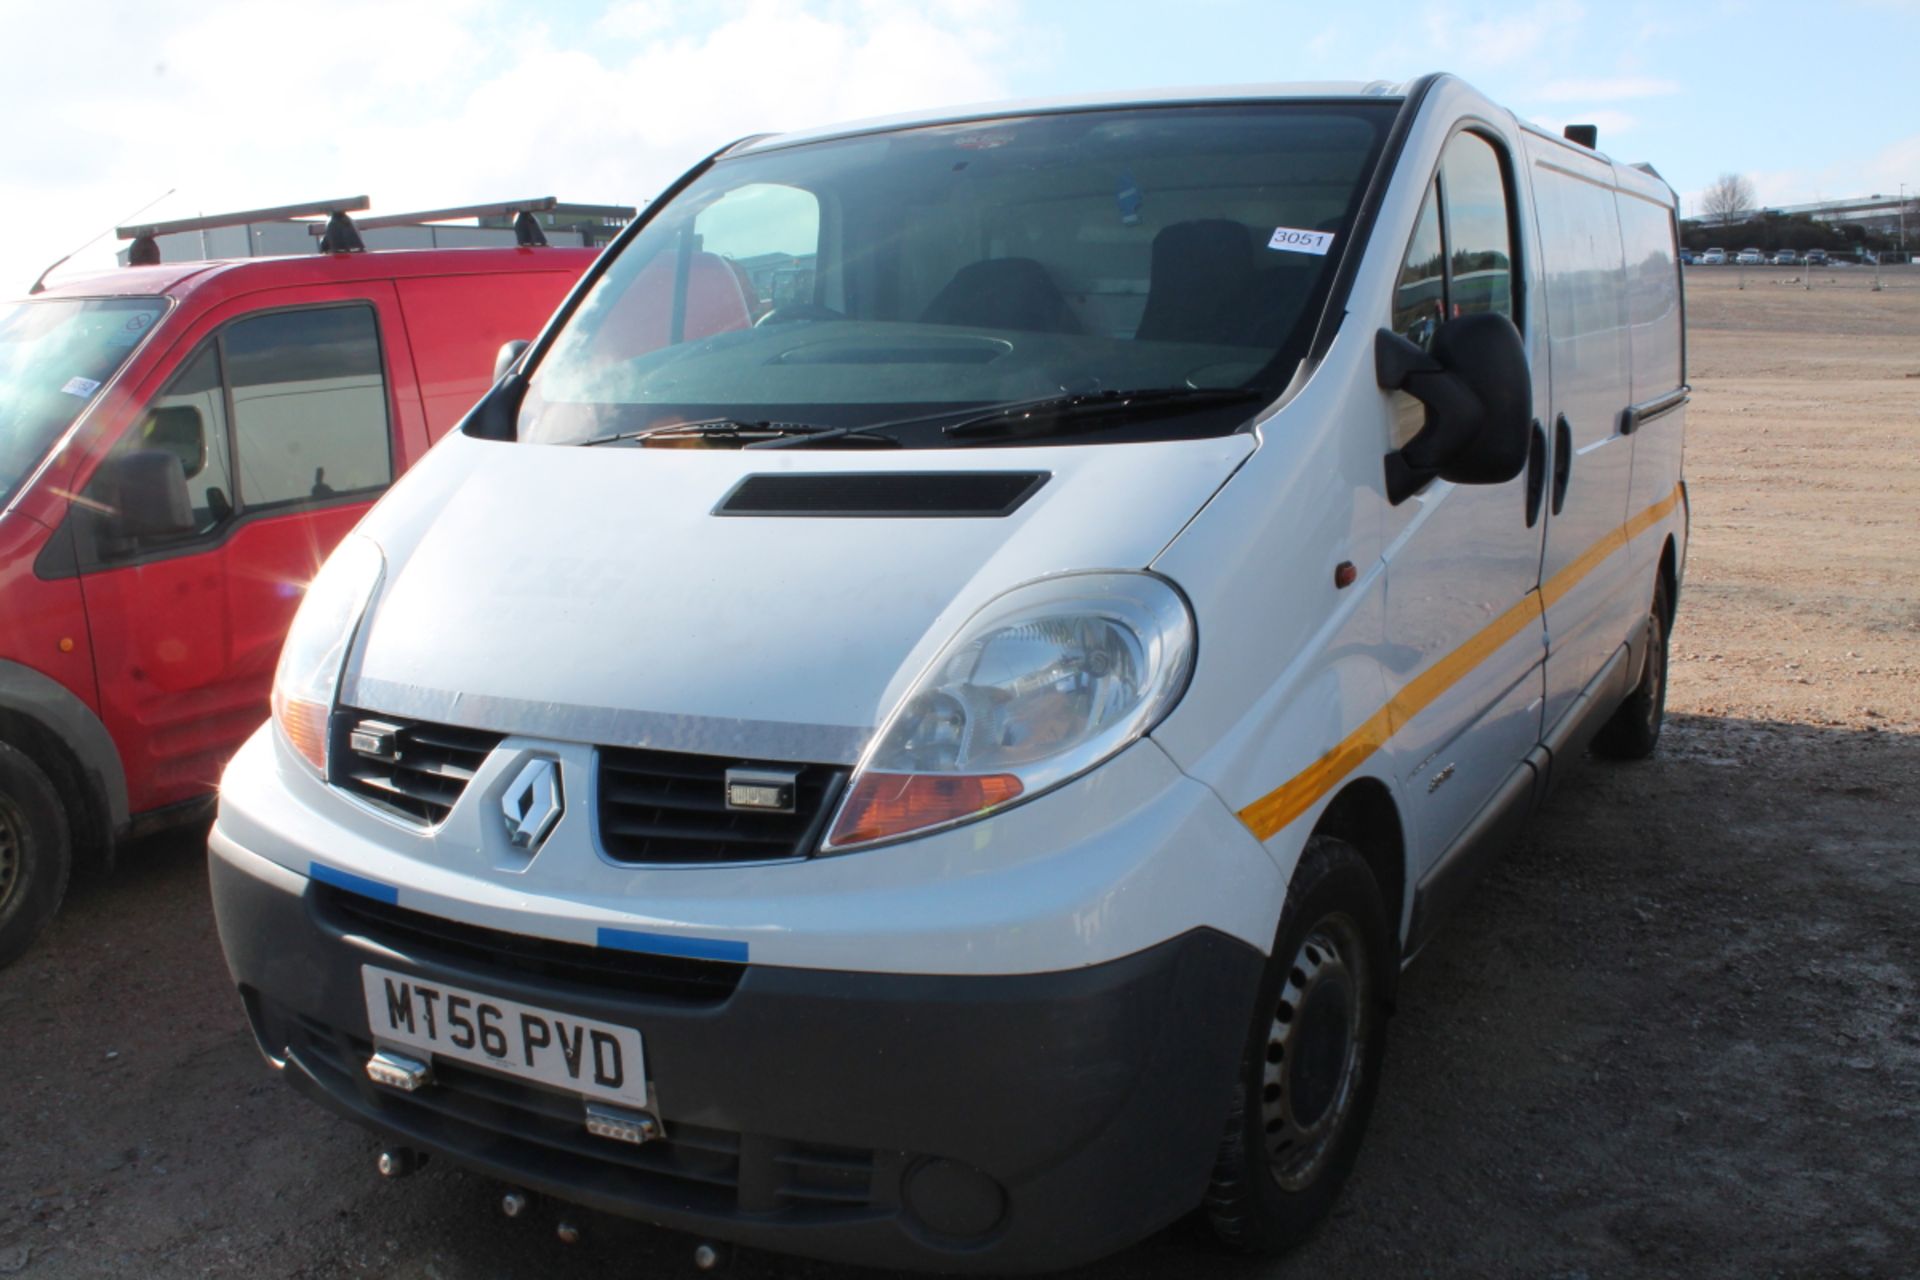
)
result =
(66, 739)
(1670, 577)
(1364, 815)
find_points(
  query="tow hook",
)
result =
(710, 1257)
(515, 1203)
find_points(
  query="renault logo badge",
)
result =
(532, 804)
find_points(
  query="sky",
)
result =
(435, 103)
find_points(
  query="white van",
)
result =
(919, 723)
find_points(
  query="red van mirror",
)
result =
(505, 358)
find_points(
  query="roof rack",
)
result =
(526, 228)
(337, 235)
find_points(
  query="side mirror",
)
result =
(145, 493)
(505, 358)
(1478, 392)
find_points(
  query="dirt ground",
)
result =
(1676, 1032)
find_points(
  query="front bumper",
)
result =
(952, 1123)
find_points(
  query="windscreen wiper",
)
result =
(748, 435)
(1093, 410)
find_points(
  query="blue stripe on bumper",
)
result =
(354, 884)
(666, 944)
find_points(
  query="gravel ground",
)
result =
(1676, 1032)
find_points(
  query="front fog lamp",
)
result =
(1040, 686)
(308, 676)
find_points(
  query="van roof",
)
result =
(178, 279)
(1375, 90)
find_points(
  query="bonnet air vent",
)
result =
(896, 494)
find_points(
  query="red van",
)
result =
(180, 447)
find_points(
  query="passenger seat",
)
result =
(1002, 293)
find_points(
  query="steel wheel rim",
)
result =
(10, 841)
(1316, 1050)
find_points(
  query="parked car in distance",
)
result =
(1816, 257)
(1686, 257)
(183, 444)
(1714, 258)
(1785, 258)
(1751, 258)
(844, 783)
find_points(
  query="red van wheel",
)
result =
(35, 853)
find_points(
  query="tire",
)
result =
(1633, 731)
(1312, 1061)
(36, 854)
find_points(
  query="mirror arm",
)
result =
(1396, 361)
(1404, 480)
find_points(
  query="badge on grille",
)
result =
(532, 803)
(762, 790)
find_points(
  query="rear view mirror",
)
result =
(1478, 392)
(145, 493)
(179, 430)
(508, 355)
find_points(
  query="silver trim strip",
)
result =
(611, 727)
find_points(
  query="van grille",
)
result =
(665, 806)
(601, 972)
(420, 773)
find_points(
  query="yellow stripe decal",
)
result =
(1271, 813)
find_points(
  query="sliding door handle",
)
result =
(1562, 460)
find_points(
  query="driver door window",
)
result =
(189, 420)
(296, 400)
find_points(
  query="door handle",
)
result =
(1536, 472)
(1562, 460)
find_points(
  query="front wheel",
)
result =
(36, 854)
(1312, 1062)
(1633, 731)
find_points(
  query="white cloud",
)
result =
(438, 102)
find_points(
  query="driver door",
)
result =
(282, 421)
(1464, 637)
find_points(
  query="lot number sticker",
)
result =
(82, 387)
(1294, 240)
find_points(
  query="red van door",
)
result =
(285, 422)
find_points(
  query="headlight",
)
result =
(308, 676)
(1040, 686)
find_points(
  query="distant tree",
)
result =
(1729, 200)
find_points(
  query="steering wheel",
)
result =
(798, 311)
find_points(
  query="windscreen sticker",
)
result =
(137, 323)
(82, 387)
(1294, 240)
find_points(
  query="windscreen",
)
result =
(55, 355)
(900, 281)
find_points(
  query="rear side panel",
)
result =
(1656, 333)
(455, 325)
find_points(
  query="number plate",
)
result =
(579, 1055)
